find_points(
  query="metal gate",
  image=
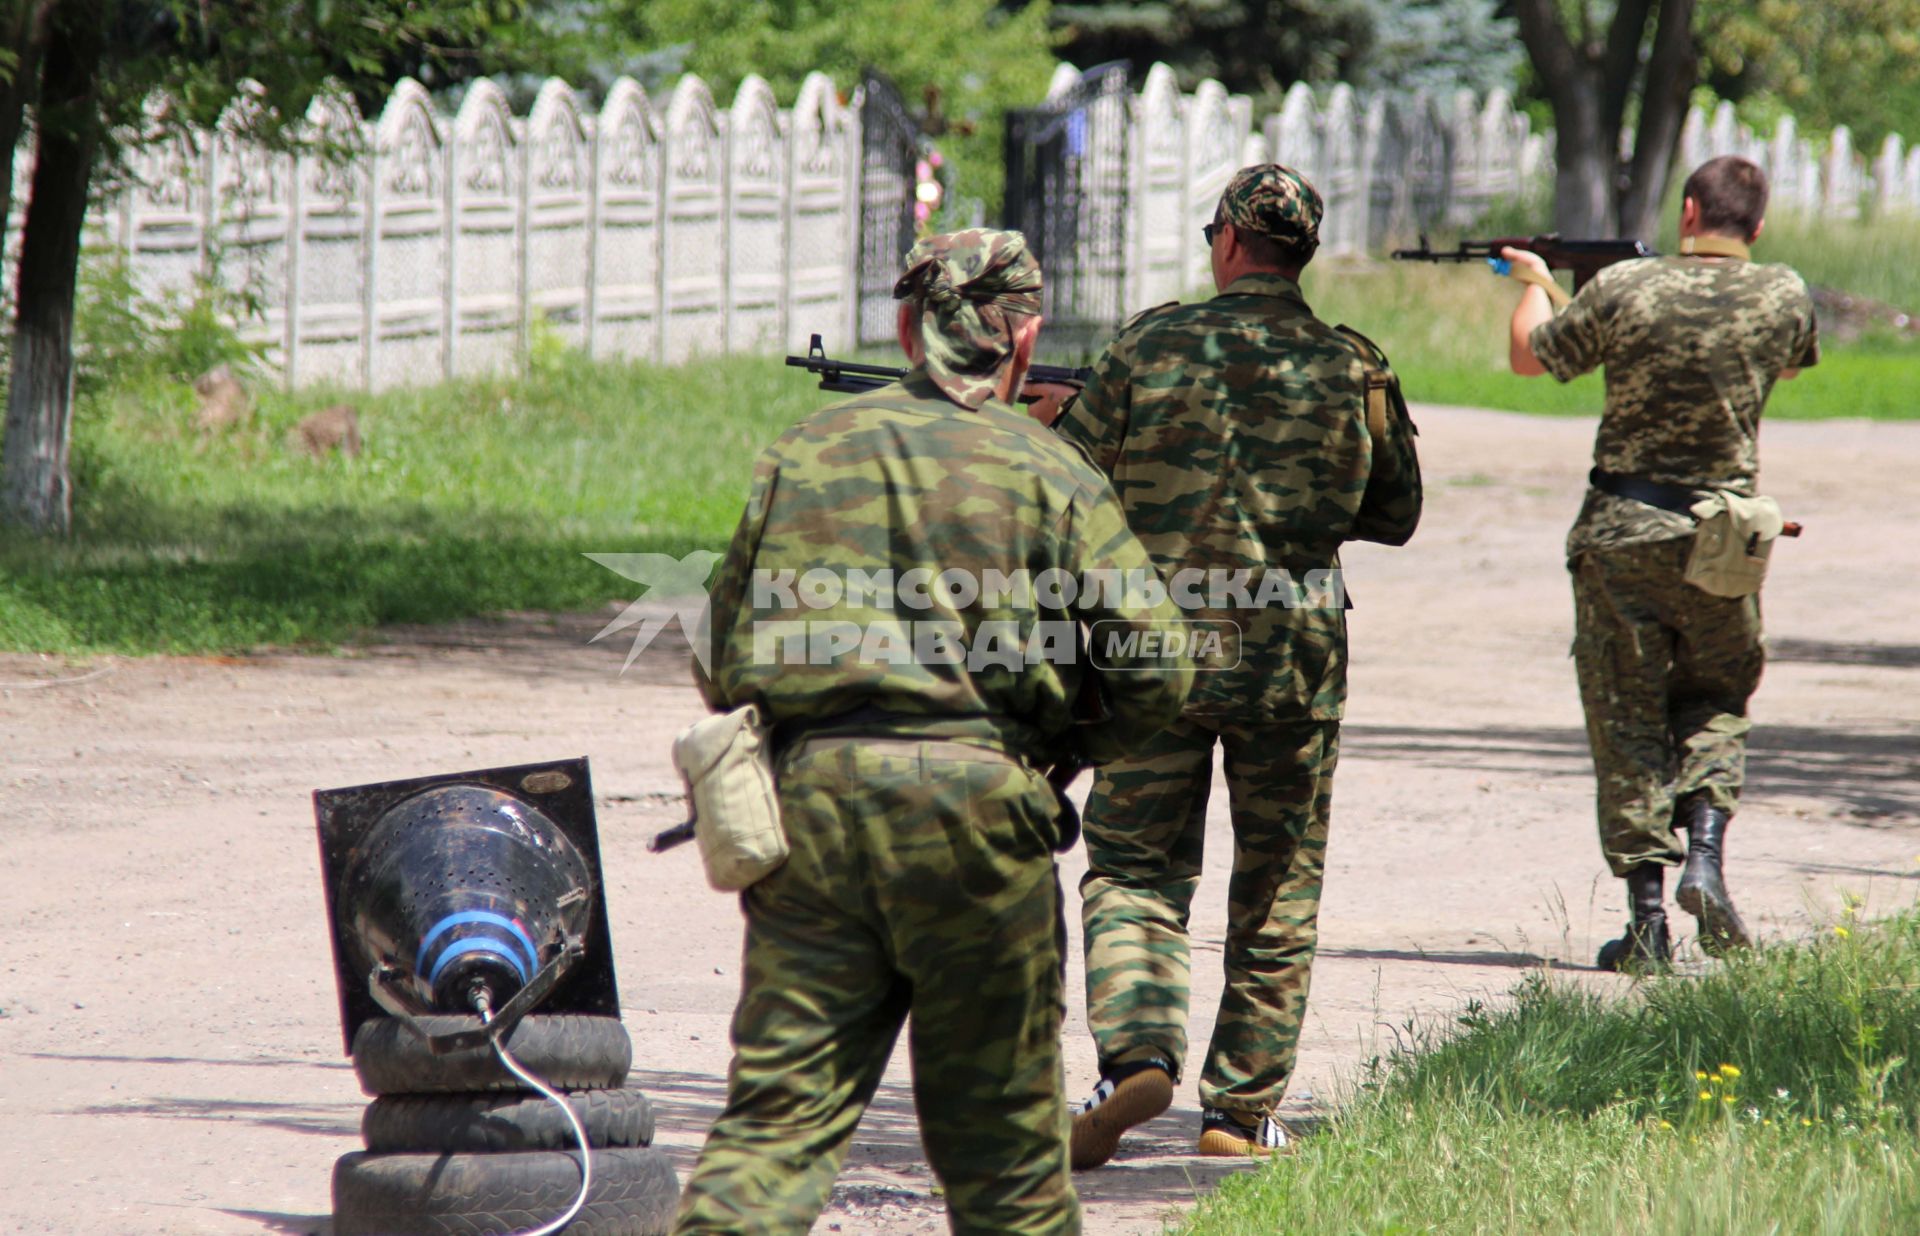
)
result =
(889, 148)
(1066, 188)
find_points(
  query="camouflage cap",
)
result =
(1274, 201)
(969, 286)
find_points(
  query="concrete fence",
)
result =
(669, 231)
(635, 231)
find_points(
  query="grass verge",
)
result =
(470, 497)
(1773, 1094)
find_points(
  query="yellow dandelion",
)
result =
(1842, 932)
(1730, 1070)
(1716, 1080)
(1806, 1122)
(1726, 1098)
(1706, 1097)
(1699, 1076)
(1766, 1122)
(1665, 1125)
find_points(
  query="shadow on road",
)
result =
(887, 1165)
(340, 1120)
(1872, 775)
(1512, 961)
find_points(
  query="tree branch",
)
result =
(1620, 62)
(1671, 73)
(1556, 63)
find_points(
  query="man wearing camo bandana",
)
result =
(922, 827)
(1243, 435)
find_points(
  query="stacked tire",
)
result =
(457, 1144)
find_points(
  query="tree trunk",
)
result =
(1584, 164)
(1671, 73)
(25, 33)
(1583, 152)
(35, 489)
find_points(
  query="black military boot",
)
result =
(1703, 890)
(1644, 946)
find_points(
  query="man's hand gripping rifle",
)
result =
(850, 378)
(1585, 258)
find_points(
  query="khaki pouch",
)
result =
(728, 769)
(1732, 543)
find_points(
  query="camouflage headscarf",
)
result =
(1274, 201)
(970, 286)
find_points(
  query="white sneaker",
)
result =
(1224, 1135)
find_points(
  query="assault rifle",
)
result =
(850, 378)
(1584, 258)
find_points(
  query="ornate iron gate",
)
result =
(1066, 188)
(889, 147)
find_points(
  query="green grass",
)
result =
(470, 497)
(1570, 1112)
(1445, 329)
(1873, 259)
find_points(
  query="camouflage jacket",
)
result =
(906, 480)
(1692, 347)
(1249, 439)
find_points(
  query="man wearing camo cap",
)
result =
(912, 782)
(1247, 440)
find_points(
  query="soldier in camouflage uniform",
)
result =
(912, 784)
(1692, 346)
(1247, 440)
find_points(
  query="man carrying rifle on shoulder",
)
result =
(912, 748)
(1248, 441)
(1670, 544)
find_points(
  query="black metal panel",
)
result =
(561, 790)
(1067, 190)
(889, 148)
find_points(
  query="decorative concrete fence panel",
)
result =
(628, 176)
(253, 222)
(823, 218)
(485, 289)
(559, 224)
(694, 244)
(1216, 130)
(329, 284)
(756, 250)
(1159, 237)
(404, 334)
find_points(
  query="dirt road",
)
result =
(169, 1055)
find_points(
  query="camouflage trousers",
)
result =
(921, 880)
(1146, 828)
(1665, 674)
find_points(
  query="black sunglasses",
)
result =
(1210, 231)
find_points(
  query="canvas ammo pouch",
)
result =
(1732, 543)
(727, 765)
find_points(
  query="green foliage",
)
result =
(126, 339)
(1441, 46)
(1256, 47)
(199, 54)
(960, 63)
(1771, 1093)
(1829, 62)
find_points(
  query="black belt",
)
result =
(1676, 498)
